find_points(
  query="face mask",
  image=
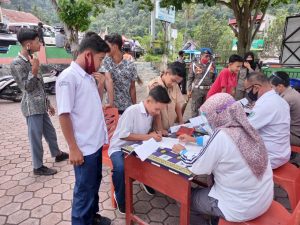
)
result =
(89, 68)
(204, 60)
(205, 124)
(252, 96)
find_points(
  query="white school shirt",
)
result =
(135, 120)
(77, 94)
(271, 118)
(241, 196)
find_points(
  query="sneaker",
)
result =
(63, 156)
(101, 220)
(120, 207)
(44, 171)
(147, 189)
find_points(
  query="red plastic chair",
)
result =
(288, 177)
(276, 215)
(295, 148)
(111, 116)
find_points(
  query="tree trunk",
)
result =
(72, 35)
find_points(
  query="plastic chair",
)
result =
(295, 148)
(276, 215)
(288, 177)
(111, 116)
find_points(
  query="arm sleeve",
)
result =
(134, 72)
(260, 116)
(191, 77)
(206, 163)
(65, 95)
(27, 82)
(126, 124)
(223, 79)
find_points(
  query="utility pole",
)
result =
(152, 28)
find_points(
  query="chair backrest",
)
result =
(111, 116)
(295, 148)
(295, 220)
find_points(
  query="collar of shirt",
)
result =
(79, 69)
(266, 95)
(23, 57)
(142, 108)
(287, 90)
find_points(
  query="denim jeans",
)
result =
(87, 183)
(118, 177)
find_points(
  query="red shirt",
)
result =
(226, 79)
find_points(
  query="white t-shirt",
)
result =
(271, 118)
(241, 196)
(135, 120)
(77, 94)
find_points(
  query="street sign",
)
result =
(164, 14)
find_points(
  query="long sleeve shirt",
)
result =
(34, 99)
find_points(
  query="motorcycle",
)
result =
(9, 89)
(50, 80)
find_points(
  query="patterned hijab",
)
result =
(224, 113)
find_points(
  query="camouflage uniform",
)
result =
(199, 94)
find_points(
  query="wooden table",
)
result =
(173, 185)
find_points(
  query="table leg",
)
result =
(129, 200)
(185, 207)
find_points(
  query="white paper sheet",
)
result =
(169, 142)
(174, 129)
(196, 121)
(146, 149)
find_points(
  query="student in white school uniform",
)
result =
(237, 158)
(270, 117)
(134, 125)
(83, 125)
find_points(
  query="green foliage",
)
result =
(152, 58)
(75, 13)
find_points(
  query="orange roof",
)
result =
(14, 16)
(233, 21)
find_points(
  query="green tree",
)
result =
(273, 39)
(245, 12)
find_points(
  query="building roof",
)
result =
(13, 16)
(233, 21)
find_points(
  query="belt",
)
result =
(204, 87)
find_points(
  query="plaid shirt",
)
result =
(34, 99)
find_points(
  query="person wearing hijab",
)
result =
(249, 66)
(237, 158)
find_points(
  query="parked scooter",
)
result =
(50, 80)
(9, 89)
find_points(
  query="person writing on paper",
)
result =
(236, 156)
(134, 126)
(270, 116)
(173, 112)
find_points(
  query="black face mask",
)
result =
(252, 96)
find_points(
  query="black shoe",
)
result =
(63, 156)
(147, 189)
(44, 171)
(101, 220)
(120, 207)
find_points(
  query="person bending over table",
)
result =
(236, 156)
(270, 116)
(134, 126)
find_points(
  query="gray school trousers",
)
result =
(40, 125)
(204, 209)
